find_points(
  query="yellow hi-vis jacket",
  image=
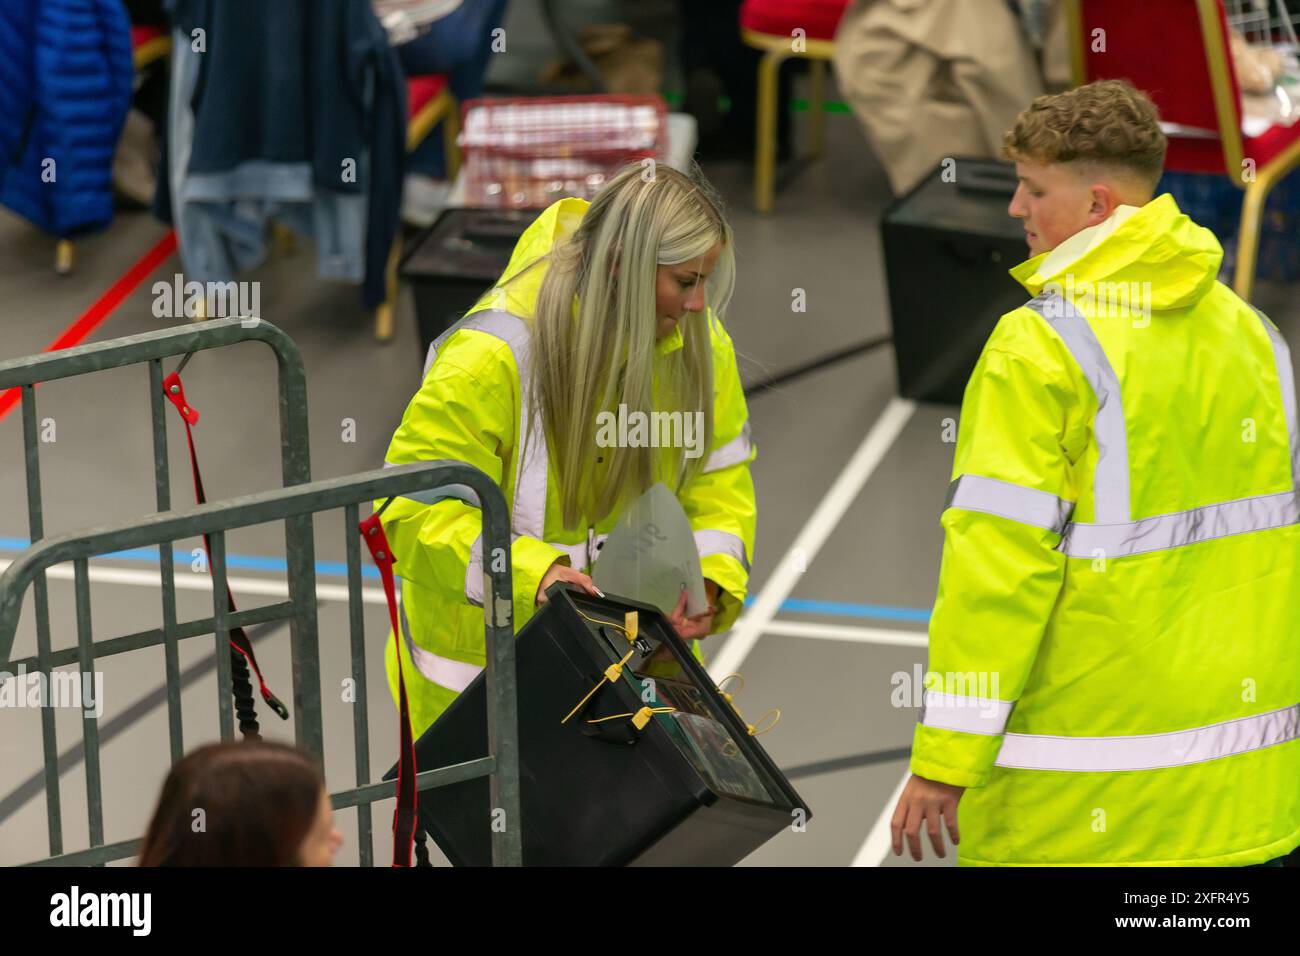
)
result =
(1115, 646)
(471, 408)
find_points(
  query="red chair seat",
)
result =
(1206, 155)
(142, 35)
(779, 17)
(420, 90)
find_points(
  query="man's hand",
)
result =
(562, 572)
(927, 801)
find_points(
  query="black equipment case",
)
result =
(455, 260)
(948, 248)
(692, 787)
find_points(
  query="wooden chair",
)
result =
(428, 103)
(1177, 51)
(770, 25)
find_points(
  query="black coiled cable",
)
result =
(421, 846)
(242, 687)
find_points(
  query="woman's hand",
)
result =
(562, 572)
(690, 628)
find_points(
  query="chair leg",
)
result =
(384, 322)
(384, 314)
(816, 106)
(65, 257)
(1252, 210)
(450, 148)
(283, 240)
(765, 139)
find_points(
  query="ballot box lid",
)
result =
(962, 195)
(466, 245)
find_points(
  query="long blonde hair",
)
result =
(594, 331)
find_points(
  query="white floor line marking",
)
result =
(841, 632)
(187, 580)
(879, 842)
(810, 540)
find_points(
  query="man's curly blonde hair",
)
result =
(1109, 124)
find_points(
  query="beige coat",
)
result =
(931, 79)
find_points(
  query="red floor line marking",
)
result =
(102, 307)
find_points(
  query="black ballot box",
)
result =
(948, 248)
(455, 260)
(690, 787)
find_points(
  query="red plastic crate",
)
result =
(525, 153)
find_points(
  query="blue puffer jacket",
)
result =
(65, 88)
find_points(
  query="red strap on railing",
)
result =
(372, 532)
(175, 393)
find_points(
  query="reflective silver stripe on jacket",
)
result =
(1150, 751)
(973, 715)
(1114, 533)
(1026, 505)
(475, 586)
(579, 554)
(1286, 376)
(1162, 532)
(709, 541)
(732, 453)
(1111, 480)
(474, 569)
(454, 675)
(528, 515)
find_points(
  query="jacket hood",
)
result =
(1158, 244)
(556, 223)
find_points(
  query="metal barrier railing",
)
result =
(152, 347)
(294, 506)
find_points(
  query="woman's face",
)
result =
(679, 289)
(322, 840)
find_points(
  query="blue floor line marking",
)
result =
(338, 569)
(245, 562)
(845, 609)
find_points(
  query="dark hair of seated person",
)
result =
(258, 802)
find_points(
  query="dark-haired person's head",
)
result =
(242, 804)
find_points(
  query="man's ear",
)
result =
(1104, 201)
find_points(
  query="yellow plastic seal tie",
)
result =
(612, 673)
(616, 626)
(630, 625)
(639, 719)
(642, 716)
(730, 677)
(775, 720)
(578, 707)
